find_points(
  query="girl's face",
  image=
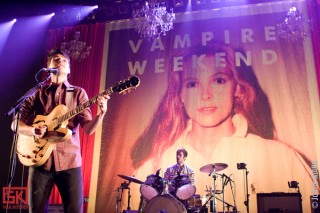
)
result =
(207, 91)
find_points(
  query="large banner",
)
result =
(225, 87)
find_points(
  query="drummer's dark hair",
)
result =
(183, 150)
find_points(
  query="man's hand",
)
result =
(102, 102)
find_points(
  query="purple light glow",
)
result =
(5, 29)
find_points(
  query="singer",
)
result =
(63, 166)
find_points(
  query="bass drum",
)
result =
(165, 203)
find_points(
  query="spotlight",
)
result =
(178, 3)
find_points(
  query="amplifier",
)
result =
(279, 202)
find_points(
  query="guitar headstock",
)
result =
(126, 85)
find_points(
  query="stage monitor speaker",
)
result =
(279, 203)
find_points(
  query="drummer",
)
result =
(179, 169)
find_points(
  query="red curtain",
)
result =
(85, 73)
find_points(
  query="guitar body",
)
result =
(35, 152)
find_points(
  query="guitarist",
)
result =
(63, 167)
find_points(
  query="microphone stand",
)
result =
(234, 199)
(246, 203)
(16, 111)
(226, 204)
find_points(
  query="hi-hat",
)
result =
(216, 167)
(131, 179)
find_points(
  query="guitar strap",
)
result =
(69, 95)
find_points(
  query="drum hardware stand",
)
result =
(166, 184)
(243, 166)
(214, 188)
(225, 182)
(228, 206)
(224, 203)
(235, 210)
(124, 185)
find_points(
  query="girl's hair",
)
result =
(170, 119)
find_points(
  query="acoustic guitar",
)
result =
(33, 151)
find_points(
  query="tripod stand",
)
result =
(225, 181)
(243, 166)
(120, 189)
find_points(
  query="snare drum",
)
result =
(194, 201)
(194, 204)
(165, 203)
(183, 187)
(152, 187)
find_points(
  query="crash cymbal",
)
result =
(213, 167)
(131, 179)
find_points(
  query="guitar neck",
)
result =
(82, 106)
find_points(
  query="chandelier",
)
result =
(76, 49)
(294, 27)
(152, 20)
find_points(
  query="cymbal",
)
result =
(215, 166)
(131, 179)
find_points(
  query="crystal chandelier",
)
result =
(76, 49)
(152, 20)
(294, 27)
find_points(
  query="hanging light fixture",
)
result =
(75, 48)
(152, 20)
(295, 27)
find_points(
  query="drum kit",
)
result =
(156, 195)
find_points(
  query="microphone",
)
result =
(51, 70)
